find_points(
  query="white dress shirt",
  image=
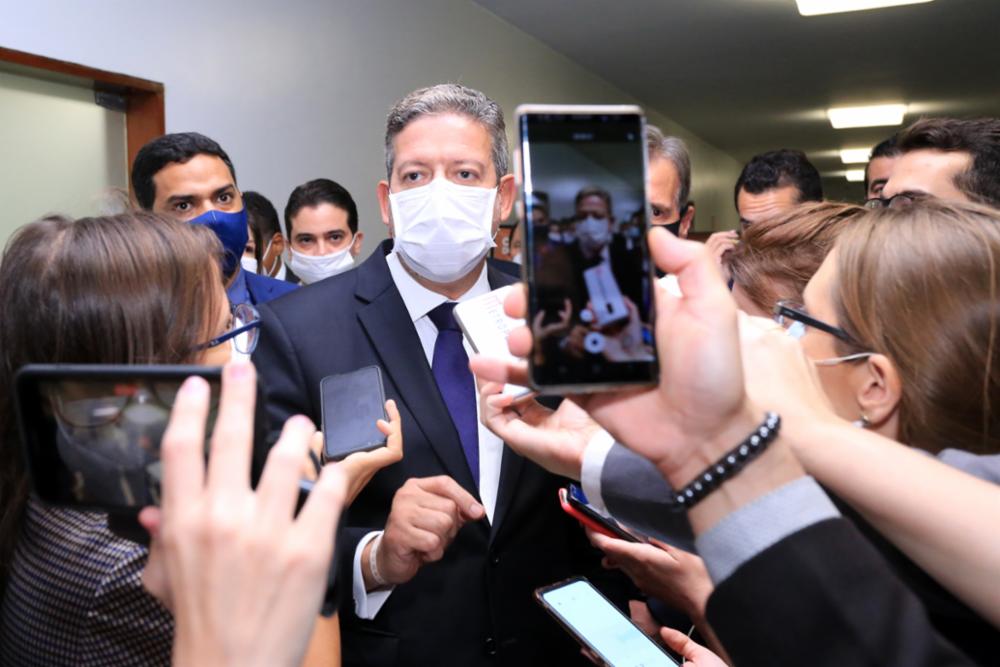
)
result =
(419, 302)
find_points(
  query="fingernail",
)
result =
(240, 370)
(193, 386)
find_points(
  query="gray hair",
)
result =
(449, 98)
(674, 149)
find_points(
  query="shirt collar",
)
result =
(418, 299)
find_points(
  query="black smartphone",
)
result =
(600, 626)
(352, 404)
(582, 172)
(91, 433)
(574, 502)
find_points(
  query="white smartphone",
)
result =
(486, 328)
(599, 626)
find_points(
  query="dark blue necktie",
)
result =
(450, 366)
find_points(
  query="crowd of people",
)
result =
(815, 472)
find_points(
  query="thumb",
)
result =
(677, 641)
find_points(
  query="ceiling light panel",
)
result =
(855, 155)
(818, 7)
(855, 175)
(870, 116)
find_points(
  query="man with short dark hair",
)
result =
(770, 184)
(880, 163)
(321, 220)
(773, 182)
(189, 177)
(948, 158)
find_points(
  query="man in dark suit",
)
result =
(442, 551)
(189, 177)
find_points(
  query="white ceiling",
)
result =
(752, 75)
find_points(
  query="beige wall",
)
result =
(60, 151)
(300, 89)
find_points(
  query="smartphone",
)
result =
(599, 626)
(486, 326)
(352, 404)
(91, 433)
(574, 502)
(582, 172)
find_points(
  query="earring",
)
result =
(864, 422)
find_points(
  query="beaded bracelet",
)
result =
(727, 466)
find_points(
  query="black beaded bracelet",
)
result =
(730, 464)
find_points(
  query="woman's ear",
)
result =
(879, 391)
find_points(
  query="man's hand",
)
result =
(554, 439)
(718, 244)
(426, 515)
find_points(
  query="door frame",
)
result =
(144, 99)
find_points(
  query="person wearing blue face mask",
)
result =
(189, 177)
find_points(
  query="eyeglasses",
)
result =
(902, 200)
(95, 405)
(244, 330)
(794, 319)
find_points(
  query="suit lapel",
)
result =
(511, 463)
(387, 324)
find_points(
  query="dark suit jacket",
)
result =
(263, 289)
(824, 596)
(475, 607)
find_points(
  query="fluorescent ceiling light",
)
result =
(871, 116)
(855, 175)
(817, 7)
(854, 155)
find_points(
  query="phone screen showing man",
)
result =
(590, 280)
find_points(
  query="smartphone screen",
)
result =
(352, 404)
(587, 263)
(91, 434)
(600, 626)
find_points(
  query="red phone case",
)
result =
(585, 520)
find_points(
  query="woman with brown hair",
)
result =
(126, 289)
(909, 350)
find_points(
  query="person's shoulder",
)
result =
(272, 287)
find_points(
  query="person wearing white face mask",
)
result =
(321, 220)
(453, 532)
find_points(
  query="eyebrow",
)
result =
(223, 189)
(177, 199)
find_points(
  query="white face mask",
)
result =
(249, 264)
(442, 230)
(516, 258)
(314, 268)
(594, 232)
